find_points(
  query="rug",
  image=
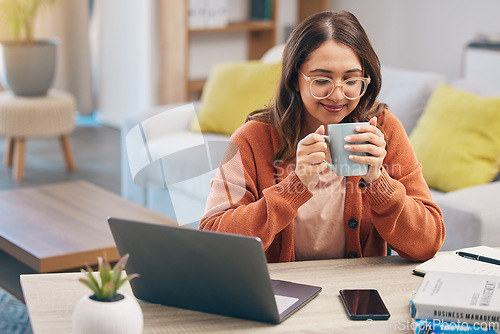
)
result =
(14, 317)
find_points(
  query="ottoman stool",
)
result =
(42, 116)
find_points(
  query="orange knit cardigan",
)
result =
(251, 195)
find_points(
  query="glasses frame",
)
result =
(335, 85)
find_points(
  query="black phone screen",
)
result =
(364, 304)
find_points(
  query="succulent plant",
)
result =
(110, 278)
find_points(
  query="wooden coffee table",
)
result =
(60, 227)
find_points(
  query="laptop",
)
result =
(205, 271)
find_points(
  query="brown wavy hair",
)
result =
(287, 110)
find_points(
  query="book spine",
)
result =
(436, 326)
(484, 44)
(261, 9)
(269, 10)
(456, 314)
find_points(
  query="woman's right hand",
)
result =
(311, 152)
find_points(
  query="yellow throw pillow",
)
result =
(232, 91)
(457, 139)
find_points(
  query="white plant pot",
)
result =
(114, 317)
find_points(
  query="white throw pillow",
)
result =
(406, 92)
(476, 87)
(274, 54)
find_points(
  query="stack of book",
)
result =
(261, 9)
(444, 327)
(459, 293)
(491, 41)
(207, 14)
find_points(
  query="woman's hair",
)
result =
(287, 110)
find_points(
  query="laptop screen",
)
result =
(205, 271)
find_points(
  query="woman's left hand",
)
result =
(375, 147)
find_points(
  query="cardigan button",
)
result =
(353, 223)
(352, 255)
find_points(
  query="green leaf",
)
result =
(110, 277)
(92, 287)
(91, 277)
(108, 290)
(119, 267)
(104, 270)
(128, 278)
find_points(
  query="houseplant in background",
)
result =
(28, 65)
(106, 310)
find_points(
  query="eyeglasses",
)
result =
(322, 87)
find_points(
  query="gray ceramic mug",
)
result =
(341, 164)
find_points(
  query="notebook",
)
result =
(206, 271)
(452, 262)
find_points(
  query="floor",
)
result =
(97, 155)
(14, 317)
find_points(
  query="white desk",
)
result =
(50, 299)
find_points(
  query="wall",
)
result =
(68, 21)
(420, 35)
(424, 34)
(232, 47)
(126, 60)
(126, 35)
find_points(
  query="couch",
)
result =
(471, 214)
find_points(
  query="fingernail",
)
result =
(348, 138)
(347, 147)
(358, 128)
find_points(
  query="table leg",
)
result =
(19, 158)
(9, 151)
(67, 153)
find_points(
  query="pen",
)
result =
(479, 258)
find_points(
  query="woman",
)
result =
(287, 196)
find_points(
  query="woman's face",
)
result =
(335, 61)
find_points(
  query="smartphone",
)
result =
(363, 304)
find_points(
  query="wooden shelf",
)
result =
(174, 82)
(196, 85)
(237, 27)
(309, 7)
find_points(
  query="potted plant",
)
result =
(28, 65)
(106, 310)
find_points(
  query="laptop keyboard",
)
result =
(284, 302)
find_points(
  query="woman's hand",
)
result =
(375, 147)
(310, 156)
